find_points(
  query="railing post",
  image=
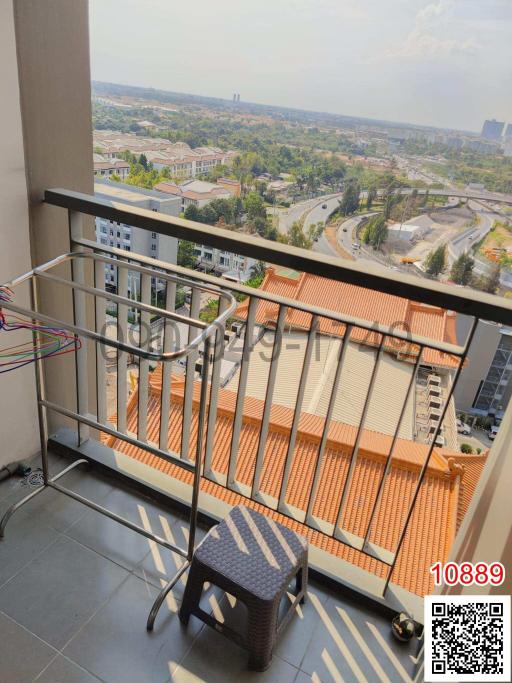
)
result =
(76, 232)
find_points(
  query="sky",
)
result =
(445, 63)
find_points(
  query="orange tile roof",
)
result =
(436, 516)
(351, 300)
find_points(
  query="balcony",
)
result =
(316, 416)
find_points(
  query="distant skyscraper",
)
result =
(238, 97)
(508, 131)
(234, 97)
(492, 129)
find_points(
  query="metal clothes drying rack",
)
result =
(227, 304)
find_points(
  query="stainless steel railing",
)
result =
(380, 338)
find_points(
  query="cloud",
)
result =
(428, 39)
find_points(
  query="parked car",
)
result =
(355, 245)
(493, 432)
(463, 428)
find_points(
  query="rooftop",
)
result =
(443, 500)
(351, 300)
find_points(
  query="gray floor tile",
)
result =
(115, 541)
(215, 659)
(353, 644)
(22, 655)
(160, 565)
(62, 670)
(116, 647)
(61, 511)
(59, 590)
(25, 537)
(15, 487)
(297, 635)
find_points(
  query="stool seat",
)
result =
(253, 551)
(254, 559)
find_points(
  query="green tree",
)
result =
(296, 236)
(350, 200)
(192, 213)
(254, 206)
(186, 255)
(371, 197)
(375, 231)
(260, 225)
(435, 263)
(143, 161)
(491, 282)
(462, 269)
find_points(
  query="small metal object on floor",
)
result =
(254, 559)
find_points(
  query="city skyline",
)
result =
(442, 64)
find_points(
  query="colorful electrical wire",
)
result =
(46, 342)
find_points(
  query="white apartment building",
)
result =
(231, 266)
(131, 238)
(105, 168)
(196, 192)
(181, 160)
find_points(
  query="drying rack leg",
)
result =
(16, 506)
(163, 594)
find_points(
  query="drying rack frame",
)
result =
(208, 331)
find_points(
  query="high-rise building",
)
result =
(492, 129)
(128, 237)
(508, 131)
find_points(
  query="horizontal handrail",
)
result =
(370, 276)
(344, 320)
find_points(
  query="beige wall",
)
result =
(486, 532)
(18, 421)
(45, 141)
(54, 75)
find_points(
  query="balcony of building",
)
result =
(328, 407)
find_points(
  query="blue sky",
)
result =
(444, 63)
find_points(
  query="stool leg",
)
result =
(261, 635)
(192, 594)
(301, 582)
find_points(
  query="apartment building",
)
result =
(130, 238)
(231, 266)
(485, 387)
(181, 160)
(105, 168)
(195, 192)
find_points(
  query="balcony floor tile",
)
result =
(352, 644)
(115, 541)
(25, 537)
(62, 670)
(115, 645)
(60, 590)
(60, 511)
(22, 655)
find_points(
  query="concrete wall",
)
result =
(18, 417)
(52, 43)
(480, 356)
(485, 534)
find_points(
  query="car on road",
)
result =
(493, 432)
(344, 229)
(355, 245)
(463, 428)
(324, 206)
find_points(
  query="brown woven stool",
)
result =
(254, 559)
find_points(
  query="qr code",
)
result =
(467, 638)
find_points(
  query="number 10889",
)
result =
(468, 574)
